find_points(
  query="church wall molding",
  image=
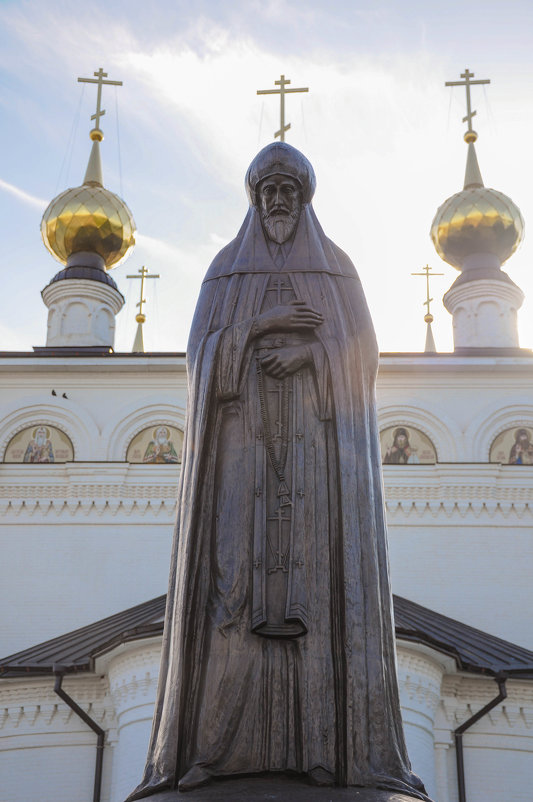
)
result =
(469, 493)
(133, 418)
(32, 707)
(63, 491)
(462, 696)
(436, 425)
(461, 492)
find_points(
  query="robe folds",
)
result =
(290, 669)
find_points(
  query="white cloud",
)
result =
(23, 196)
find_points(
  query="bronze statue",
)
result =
(278, 652)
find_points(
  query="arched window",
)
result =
(156, 445)
(405, 445)
(513, 447)
(39, 444)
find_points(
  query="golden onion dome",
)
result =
(476, 222)
(89, 218)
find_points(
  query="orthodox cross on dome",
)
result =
(470, 135)
(138, 345)
(96, 133)
(282, 91)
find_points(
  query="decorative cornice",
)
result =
(79, 290)
(433, 492)
(460, 490)
(88, 489)
(463, 696)
(32, 706)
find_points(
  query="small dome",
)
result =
(477, 220)
(88, 218)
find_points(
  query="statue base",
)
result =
(277, 789)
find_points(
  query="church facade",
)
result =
(90, 451)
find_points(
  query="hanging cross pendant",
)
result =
(279, 554)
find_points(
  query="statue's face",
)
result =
(280, 201)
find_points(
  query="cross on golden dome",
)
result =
(97, 133)
(470, 135)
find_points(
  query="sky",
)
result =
(384, 135)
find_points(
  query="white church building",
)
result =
(90, 450)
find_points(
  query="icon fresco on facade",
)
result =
(401, 445)
(161, 445)
(39, 444)
(513, 447)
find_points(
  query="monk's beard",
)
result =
(280, 227)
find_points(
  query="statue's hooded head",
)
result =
(311, 251)
(279, 158)
(278, 181)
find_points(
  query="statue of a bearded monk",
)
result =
(278, 652)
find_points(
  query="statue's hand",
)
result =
(285, 361)
(296, 316)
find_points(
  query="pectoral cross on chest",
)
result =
(282, 291)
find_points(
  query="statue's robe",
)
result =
(273, 670)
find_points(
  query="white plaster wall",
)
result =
(50, 771)
(478, 574)
(85, 539)
(65, 574)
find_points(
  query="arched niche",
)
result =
(406, 445)
(513, 446)
(39, 444)
(158, 444)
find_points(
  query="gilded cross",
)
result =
(467, 75)
(99, 79)
(282, 91)
(427, 272)
(279, 555)
(144, 274)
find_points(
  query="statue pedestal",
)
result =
(277, 789)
